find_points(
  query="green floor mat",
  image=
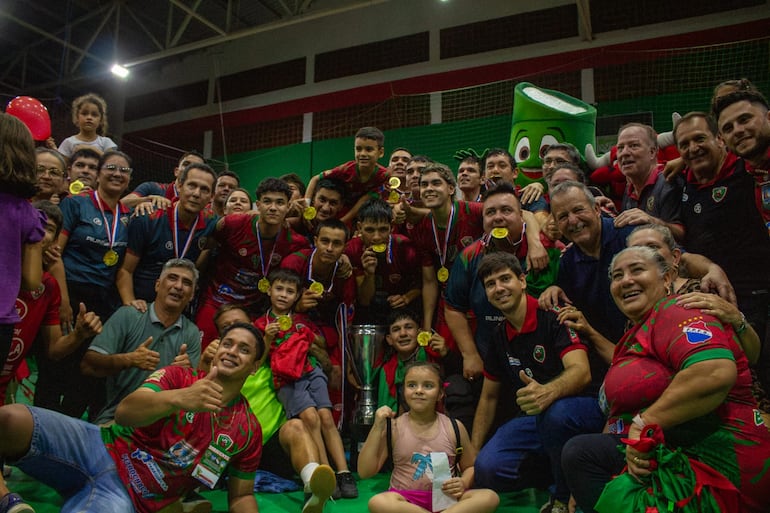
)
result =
(45, 500)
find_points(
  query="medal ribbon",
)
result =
(262, 254)
(442, 255)
(176, 235)
(310, 271)
(389, 254)
(113, 233)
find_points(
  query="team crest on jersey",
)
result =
(718, 193)
(466, 241)
(16, 350)
(685, 197)
(224, 441)
(650, 203)
(538, 353)
(189, 417)
(697, 332)
(124, 220)
(21, 308)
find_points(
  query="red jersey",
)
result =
(157, 462)
(300, 327)
(35, 308)
(466, 226)
(354, 187)
(396, 270)
(241, 263)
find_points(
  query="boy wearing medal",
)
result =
(296, 357)
(439, 237)
(179, 231)
(383, 264)
(361, 176)
(251, 245)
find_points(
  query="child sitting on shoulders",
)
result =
(413, 439)
(405, 344)
(296, 353)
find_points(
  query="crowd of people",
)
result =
(187, 333)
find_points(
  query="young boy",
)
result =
(301, 384)
(361, 176)
(383, 264)
(251, 245)
(406, 344)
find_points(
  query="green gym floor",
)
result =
(45, 500)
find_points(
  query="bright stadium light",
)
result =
(119, 70)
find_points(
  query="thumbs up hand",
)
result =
(203, 395)
(143, 357)
(182, 359)
(533, 398)
(87, 324)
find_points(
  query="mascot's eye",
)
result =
(546, 143)
(522, 150)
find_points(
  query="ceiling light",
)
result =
(119, 70)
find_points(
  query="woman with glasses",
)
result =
(51, 175)
(92, 241)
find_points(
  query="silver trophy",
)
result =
(365, 350)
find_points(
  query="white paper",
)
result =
(441, 473)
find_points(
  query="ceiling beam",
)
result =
(584, 16)
(104, 21)
(142, 26)
(198, 17)
(240, 34)
(183, 26)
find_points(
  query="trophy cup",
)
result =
(365, 348)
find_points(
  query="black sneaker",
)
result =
(347, 485)
(13, 503)
(322, 484)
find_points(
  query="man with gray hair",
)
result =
(133, 344)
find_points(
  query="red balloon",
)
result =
(33, 114)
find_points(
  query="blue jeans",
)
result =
(68, 455)
(498, 462)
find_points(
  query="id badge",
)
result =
(211, 466)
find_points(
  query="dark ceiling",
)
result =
(57, 48)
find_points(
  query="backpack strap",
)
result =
(458, 445)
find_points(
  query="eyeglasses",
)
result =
(556, 161)
(52, 171)
(112, 168)
(84, 165)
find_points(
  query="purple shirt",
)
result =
(22, 224)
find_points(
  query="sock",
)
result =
(343, 472)
(306, 472)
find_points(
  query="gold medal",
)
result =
(76, 187)
(284, 322)
(423, 338)
(317, 287)
(110, 258)
(309, 213)
(394, 182)
(263, 285)
(442, 274)
(499, 233)
(379, 248)
(394, 197)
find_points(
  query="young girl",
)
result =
(89, 114)
(23, 226)
(415, 435)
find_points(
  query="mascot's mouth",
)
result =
(533, 173)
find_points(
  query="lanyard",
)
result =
(442, 254)
(176, 235)
(262, 254)
(310, 271)
(111, 234)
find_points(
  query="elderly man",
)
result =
(133, 344)
(649, 198)
(583, 280)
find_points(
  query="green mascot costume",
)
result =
(542, 117)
